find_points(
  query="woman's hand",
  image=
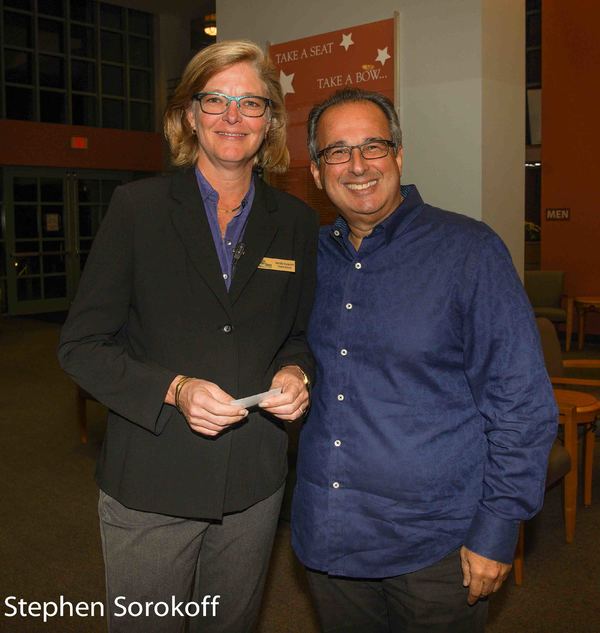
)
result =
(205, 406)
(293, 400)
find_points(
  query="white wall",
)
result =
(503, 137)
(461, 92)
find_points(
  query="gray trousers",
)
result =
(430, 600)
(167, 574)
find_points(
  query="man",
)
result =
(432, 415)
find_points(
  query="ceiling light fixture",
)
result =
(210, 24)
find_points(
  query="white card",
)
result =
(251, 401)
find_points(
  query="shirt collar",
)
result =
(395, 223)
(210, 197)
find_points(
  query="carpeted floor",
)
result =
(49, 542)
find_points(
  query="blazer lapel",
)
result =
(259, 234)
(189, 219)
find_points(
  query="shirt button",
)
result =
(358, 265)
(225, 276)
(344, 352)
(337, 443)
(336, 233)
(348, 306)
(335, 484)
(228, 242)
(227, 328)
(340, 396)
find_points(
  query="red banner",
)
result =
(312, 68)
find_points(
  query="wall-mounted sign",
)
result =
(558, 214)
(52, 221)
(311, 69)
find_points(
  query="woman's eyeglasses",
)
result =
(217, 103)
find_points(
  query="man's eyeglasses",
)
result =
(217, 103)
(370, 150)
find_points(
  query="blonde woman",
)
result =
(196, 293)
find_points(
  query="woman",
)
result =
(197, 292)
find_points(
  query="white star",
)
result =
(286, 83)
(346, 41)
(382, 55)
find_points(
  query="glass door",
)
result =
(52, 217)
(37, 241)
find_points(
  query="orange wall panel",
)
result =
(49, 145)
(571, 142)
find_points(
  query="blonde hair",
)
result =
(273, 154)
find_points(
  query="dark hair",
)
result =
(352, 95)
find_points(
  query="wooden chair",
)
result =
(587, 405)
(559, 467)
(576, 408)
(583, 305)
(545, 291)
(557, 366)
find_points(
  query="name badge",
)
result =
(271, 263)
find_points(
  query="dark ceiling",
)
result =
(192, 8)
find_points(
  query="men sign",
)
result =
(553, 214)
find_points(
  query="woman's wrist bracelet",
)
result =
(178, 388)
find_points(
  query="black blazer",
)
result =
(152, 304)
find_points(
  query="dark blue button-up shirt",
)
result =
(432, 415)
(226, 244)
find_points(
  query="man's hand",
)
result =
(292, 402)
(482, 575)
(206, 406)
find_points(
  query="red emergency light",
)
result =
(79, 142)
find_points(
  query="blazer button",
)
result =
(227, 328)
